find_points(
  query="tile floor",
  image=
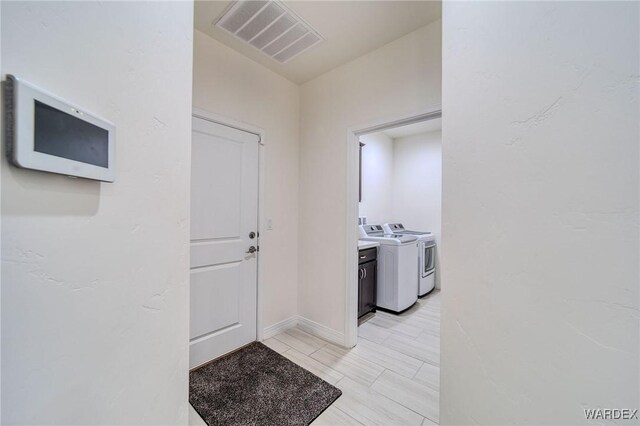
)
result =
(392, 377)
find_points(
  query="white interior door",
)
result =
(224, 219)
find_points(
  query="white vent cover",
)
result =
(270, 27)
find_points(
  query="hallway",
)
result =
(390, 377)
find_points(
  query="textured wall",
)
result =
(540, 211)
(95, 276)
(377, 178)
(400, 78)
(417, 185)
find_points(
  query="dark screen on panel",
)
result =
(63, 135)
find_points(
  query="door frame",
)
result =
(351, 218)
(262, 135)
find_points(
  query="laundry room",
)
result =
(398, 198)
(399, 215)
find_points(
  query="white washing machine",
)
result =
(426, 255)
(397, 280)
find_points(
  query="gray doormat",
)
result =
(257, 386)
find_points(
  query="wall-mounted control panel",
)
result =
(44, 132)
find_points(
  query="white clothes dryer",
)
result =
(426, 255)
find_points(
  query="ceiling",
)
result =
(350, 29)
(414, 129)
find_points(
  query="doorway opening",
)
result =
(386, 175)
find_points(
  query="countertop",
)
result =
(367, 244)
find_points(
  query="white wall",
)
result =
(330, 104)
(540, 211)
(231, 85)
(377, 177)
(402, 182)
(417, 185)
(95, 276)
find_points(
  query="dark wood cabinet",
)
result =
(367, 281)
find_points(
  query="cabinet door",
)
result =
(369, 286)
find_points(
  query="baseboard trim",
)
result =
(321, 331)
(305, 324)
(279, 327)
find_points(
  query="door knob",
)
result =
(252, 249)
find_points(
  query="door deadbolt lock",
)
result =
(252, 235)
(252, 249)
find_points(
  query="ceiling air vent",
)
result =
(269, 26)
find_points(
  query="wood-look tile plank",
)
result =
(429, 310)
(349, 364)
(373, 332)
(414, 348)
(428, 314)
(417, 319)
(428, 375)
(394, 325)
(319, 369)
(301, 341)
(430, 302)
(412, 310)
(431, 307)
(371, 408)
(276, 345)
(419, 398)
(421, 302)
(427, 422)
(194, 418)
(306, 337)
(424, 323)
(431, 340)
(387, 358)
(334, 416)
(431, 327)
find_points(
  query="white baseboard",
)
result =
(321, 331)
(279, 327)
(305, 324)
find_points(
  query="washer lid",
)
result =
(391, 239)
(414, 232)
(398, 228)
(377, 233)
